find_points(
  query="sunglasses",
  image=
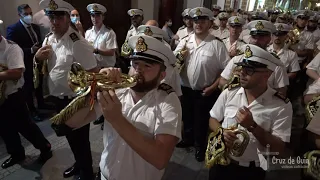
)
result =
(248, 70)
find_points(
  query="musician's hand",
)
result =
(43, 53)
(244, 117)
(229, 138)
(110, 105)
(208, 91)
(114, 74)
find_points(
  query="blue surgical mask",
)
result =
(75, 19)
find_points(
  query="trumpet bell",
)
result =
(313, 161)
(240, 145)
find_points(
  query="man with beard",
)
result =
(142, 123)
(206, 58)
(232, 43)
(260, 35)
(313, 27)
(258, 110)
(222, 32)
(61, 48)
(136, 16)
(185, 30)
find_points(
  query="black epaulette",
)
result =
(282, 97)
(184, 37)
(74, 37)
(49, 34)
(11, 42)
(219, 39)
(275, 55)
(109, 28)
(131, 27)
(224, 38)
(165, 87)
(182, 27)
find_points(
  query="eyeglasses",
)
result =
(248, 70)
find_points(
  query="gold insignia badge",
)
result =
(247, 52)
(53, 5)
(236, 20)
(198, 12)
(148, 31)
(259, 25)
(280, 27)
(133, 12)
(95, 7)
(141, 45)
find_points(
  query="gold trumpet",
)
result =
(218, 153)
(293, 37)
(181, 55)
(44, 69)
(312, 108)
(2, 85)
(85, 85)
(313, 162)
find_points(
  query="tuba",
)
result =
(2, 85)
(218, 153)
(313, 162)
(312, 108)
(85, 85)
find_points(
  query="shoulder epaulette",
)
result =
(182, 27)
(184, 37)
(109, 28)
(74, 37)
(11, 42)
(165, 87)
(218, 39)
(49, 34)
(224, 38)
(241, 40)
(282, 97)
(275, 55)
(131, 27)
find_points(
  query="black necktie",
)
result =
(33, 37)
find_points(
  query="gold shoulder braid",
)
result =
(2, 85)
(85, 85)
(313, 169)
(218, 153)
(312, 108)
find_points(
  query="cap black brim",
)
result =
(262, 33)
(55, 13)
(146, 57)
(201, 17)
(95, 12)
(280, 33)
(251, 64)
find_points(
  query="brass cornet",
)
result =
(313, 162)
(181, 55)
(85, 85)
(293, 37)
(312, 108)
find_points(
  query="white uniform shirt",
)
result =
(221, 34)
(156, 113)
(104, 39)
(204, 61)
(11, 56)
(245, 35)
(132, 32)
(278, 79)
(269, 112)
(65, 52)
(217, 21)
(182, 33)
(314, 65)
(288, 57)
(173, 79)
(236, 45)
(316, 35)
(305, 42)
(313, 88)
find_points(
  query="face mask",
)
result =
(169, 23)
(75, 19)
(27, 19)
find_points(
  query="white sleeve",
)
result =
(179, 47)
(314, 125)
(313, 88)
(281, 78)
(169, 120)
(294, 64)
(83, 54)
(218, 109)
(15, 57)
(111, 41)
(282, 123)
(223, 55)
(315, 63)
(226, 73)
(310, 43)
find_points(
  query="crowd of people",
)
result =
(254, 71)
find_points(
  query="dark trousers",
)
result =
(195, 115)
(79, 143)
(28, 92)
(234, 171)
(14, 120)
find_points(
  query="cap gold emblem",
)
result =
(198, 12)
(95, 7)
(141, 45)
(247, 52)
(236, 20)
(148, 31)
(53, 5)
(280, 27)
(259, 25)
(133, 12)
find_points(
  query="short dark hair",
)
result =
(23, 7)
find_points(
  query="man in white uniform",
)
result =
(260, 32)
(186, 29)
(222, 32)
(102, 38)
(216, 10)
(255, 108)
(233, 43)
(172, 76)
(312, 26)
(313, 85)
(65, 46)
(136, 16)
(245, 34)
(14, 112)
(206, 58)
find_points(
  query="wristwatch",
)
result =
(252, 127)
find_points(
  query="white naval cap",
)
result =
(236, 21)
(201, 13)
(256, 57)
(314, 18)
(185, 12)
(152, 31)
(223, 15)
(150, 49)
(304, 13)
(216, 7)
(257, 15)
(55, 7)
(261, 27)
(96, 8)
(135, 12)
(282, 27)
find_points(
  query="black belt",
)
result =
(251, 163)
